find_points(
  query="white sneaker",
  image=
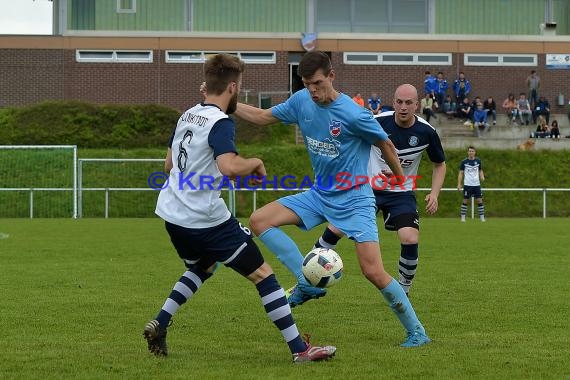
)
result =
(483, 219)
(463, 219)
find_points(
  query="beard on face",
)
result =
(232, 106)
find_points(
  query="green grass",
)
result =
(77, 293)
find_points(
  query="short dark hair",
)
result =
(312, 62)
(220, 70)
(471, 147)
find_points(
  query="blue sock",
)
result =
(285, 249)
(400, 304)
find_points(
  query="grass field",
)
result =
(77, 293)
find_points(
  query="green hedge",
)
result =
(87, 125)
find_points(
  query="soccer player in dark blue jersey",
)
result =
(471, 175)
(411, 135)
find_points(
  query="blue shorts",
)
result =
(398, 208)
(353, 211)
(472, 191)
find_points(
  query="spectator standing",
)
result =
(430, 84)
(358, 99)
(490, 107)
(524, 109)
(374, 103)
(541, 108)
(461, 87)
(441, 87)
(533, 84)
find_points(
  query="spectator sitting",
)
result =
(480, 119)
(427, 105)
(374, 104)
(554, 130)
(449, 107)
(542, 108)
(358, 99)
(525, 112)
(490, 107)
(464, 110)
(541, 128)
(510, 107)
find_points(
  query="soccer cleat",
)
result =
(463, 219)
(416, 339)
(314, 353)
(299, 294)
(483, 219)
(156, 338)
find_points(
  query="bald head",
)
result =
(406, 91)
(405, 105)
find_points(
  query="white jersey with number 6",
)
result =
(192, 198)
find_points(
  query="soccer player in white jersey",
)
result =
(396, 199)
(201, 155)
(471, 175)
(338, 134)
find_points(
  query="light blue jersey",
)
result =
(338, 137)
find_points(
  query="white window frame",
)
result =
(500, 60)
(249, 57)
(115, 56)
(132, 9)
(414, 59)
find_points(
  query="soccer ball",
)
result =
(322, 267)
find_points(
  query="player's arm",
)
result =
(481, 175)
(390, 155)
(437, 177)
(231, 165)
(459, 179)
(168, 161)
(255, 115)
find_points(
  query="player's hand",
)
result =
(258, 174)
(432, 203)
(386, 173)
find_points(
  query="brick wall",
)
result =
(29, 76)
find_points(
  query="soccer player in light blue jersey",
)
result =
(338, 135)
(411, 135)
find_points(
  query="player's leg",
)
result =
(329, 239)
(466, 197)
(301, 210)
(478, 194)
(198, 271)
(250, 264)
(370, 261)
(409, 253)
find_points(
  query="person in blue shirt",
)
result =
(374, 104)
(441, 87)
(461, 87)
(480, 119)
(430, 84)
(338, 135)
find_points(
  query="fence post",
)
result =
(543, 203)
(31, 203)
(80, 189)
(106, 203)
